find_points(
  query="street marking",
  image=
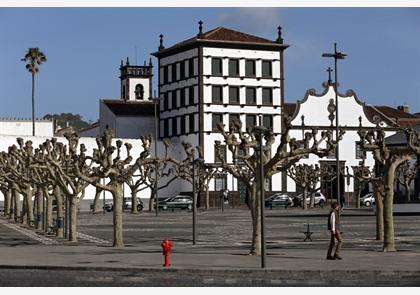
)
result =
(29, 233)
(93, 239)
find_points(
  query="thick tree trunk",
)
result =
(49, 217)
(73, 218)
(305, 195)
(60, 212)
(208, 197)
(7, 203)
(379, 213)
(117, 196)
(152, 200)
(16, 213)
(256, 220)
(312, 200)
(28, 207)
(39, 209)
(357, 193)
(134, 201)
(96, 207)
(407, 191)
(389, 239)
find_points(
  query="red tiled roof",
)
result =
(289, 108)
(130, 108)
(91, 126)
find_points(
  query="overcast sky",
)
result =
(84, 47)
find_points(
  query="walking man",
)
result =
(333, 226)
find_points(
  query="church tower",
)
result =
(136, 81)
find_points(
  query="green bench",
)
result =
(308, 233)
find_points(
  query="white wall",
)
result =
(24, 127)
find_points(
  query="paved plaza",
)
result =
(220, 257)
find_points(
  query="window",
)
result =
(174, 98)
(191, 67)
(139, 92)
(182, 98)
(234, 95)
(165, 127)
(191, 95)
(165, 74)
(234, 117)
(216, 66)
(220, 182)
(222, 154)
(267, 96)
(268, 121)
(249, 68)
(174, 72)
(266, 69)
(250, 96)
(216, 119)
(233, 67)
(165, 101)
(182, 69)
(360, 154)
(174, 126)
(251, 121)
(192, 123)
(182, 131)
(217, 94)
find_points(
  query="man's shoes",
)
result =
(337, 257)
(330, 258)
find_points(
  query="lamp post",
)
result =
(156, 100)
(260, 130)
(336, 55)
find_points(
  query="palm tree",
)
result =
(33, 58)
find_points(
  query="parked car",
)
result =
(177, 202)
(367, 200)
(109, 206)
(319, 199)
(279, 200)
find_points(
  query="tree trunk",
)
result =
(60, 212)
(16, 213)
(39, 209)
(96, 207)
(389, 239)
(152, 200)
(134, 201)
(407, 191)
(33, 104)
(73, 218)
(357, 193)
(28, 206)
(312, 200)
(305, 194)
(379, 212)
(256, 219)
(49, 217)
(7, 201)
(117, 196)
(207, 197)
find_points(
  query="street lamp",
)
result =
(336, 55)
(260, 131)
(156, 101)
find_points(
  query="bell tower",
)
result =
(136, 81)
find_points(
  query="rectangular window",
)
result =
(217, 94)
(251, 121)
(360, 154)
(216, 66)
(191, 96)
(249, 68)
(251, 95)
(166, 101)
(174, 78)
(191, 123)
(233, 67)
(182, 131)
(216, 119)
(191, 67)
(222, 154)
(174, 126)
(182, 98)
(234, 95)
(234, 117)
(266, 69)
(268, 121)
(165, 74)
(220, 182)
(174, 99)
(182, 69)
(267, 96)
(165, 127)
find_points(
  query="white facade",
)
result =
(23, 127)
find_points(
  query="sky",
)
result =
(84, 47)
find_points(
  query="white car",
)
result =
(319, 199)
(367, 200)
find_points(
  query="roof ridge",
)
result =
(209, 33)
(378, 111)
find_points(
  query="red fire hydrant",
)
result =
(166, 246)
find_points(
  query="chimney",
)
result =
(404, 108)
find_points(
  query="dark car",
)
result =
(109, 206)
(279, 200)
(177, 202)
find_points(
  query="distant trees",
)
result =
(64, 119)
(33, 58)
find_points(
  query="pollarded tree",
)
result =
(244, 147)
(405, 175)
(390, 157)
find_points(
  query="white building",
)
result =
(23, 127)
(214, 77)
